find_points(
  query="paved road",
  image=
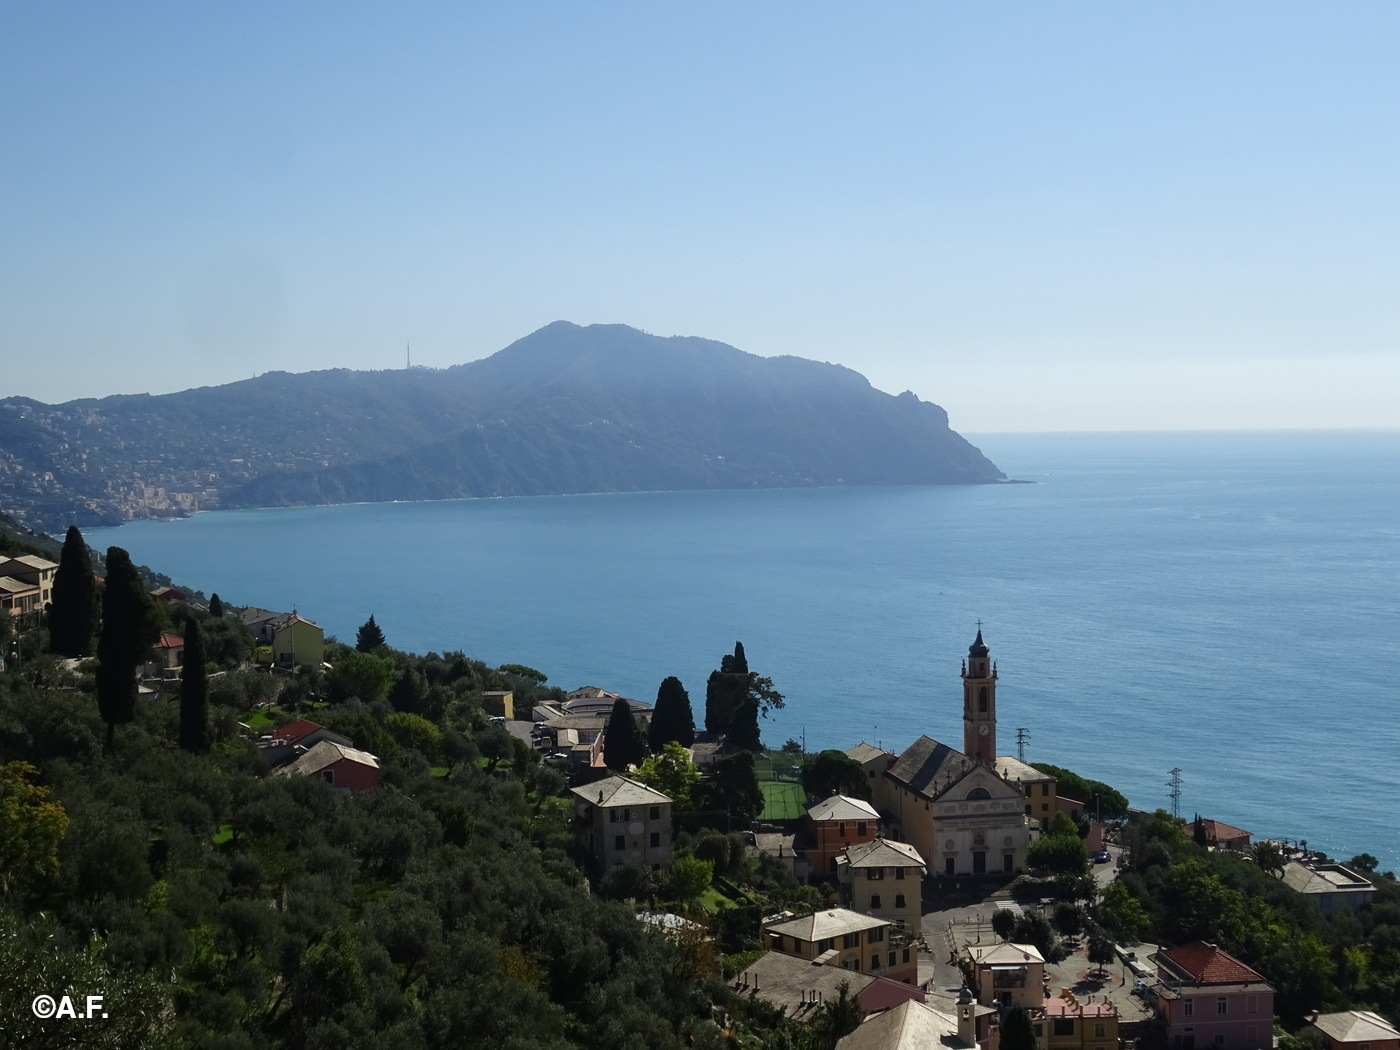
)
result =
(969, 921)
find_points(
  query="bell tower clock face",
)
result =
(983, 729)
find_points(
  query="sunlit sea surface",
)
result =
(1223, 603)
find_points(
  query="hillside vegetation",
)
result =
(566, 409)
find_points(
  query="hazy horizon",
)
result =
(1043, 219)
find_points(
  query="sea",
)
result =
(1218, 609)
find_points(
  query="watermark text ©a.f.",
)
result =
(46, 1006)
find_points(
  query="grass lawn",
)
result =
(224, 834)
(711, 900)
(263, 717)
(782, 800)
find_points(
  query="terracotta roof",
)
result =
(928, 766)
(169, 641)
(1356, 1026)
(1060, 1006)
(1217, 830)
(1207, 964)
(294, 731)
(843, 807)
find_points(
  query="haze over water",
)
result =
(1220, 602)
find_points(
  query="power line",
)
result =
(1023, 737)
(1175, 793)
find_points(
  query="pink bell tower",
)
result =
(979, 677)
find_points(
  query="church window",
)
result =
(982, 699)
(978, 793)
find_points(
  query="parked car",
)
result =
(1102, 857)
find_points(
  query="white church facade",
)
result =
(961, 814)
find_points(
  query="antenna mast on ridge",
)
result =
(408, 355)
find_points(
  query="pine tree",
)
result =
(216, 607)
(194, 691)
(129, 629)
(672, 718)
(369, 637)
(74, 611)
(624, 744)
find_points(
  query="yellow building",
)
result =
(1067, 1023)
(297, 642)
(838, 937)
(1039, 788)
(882, 878)
(34, 570)
(499, 703)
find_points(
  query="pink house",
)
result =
(1208, 998)
(344, 768)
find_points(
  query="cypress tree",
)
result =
(74, 610)
(216, 607)
(624, 745)
(194, 691)
(1017, 1031)
(369, 637)
(672, 719)
(129, 629)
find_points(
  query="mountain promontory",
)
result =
(567, 409)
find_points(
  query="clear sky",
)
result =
(1069, 216)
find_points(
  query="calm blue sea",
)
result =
(1225, 603)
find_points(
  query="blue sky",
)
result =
(1075, 216)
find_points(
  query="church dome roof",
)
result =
(979, 647)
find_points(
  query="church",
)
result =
(968, 812)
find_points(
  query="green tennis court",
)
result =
(782, 800)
